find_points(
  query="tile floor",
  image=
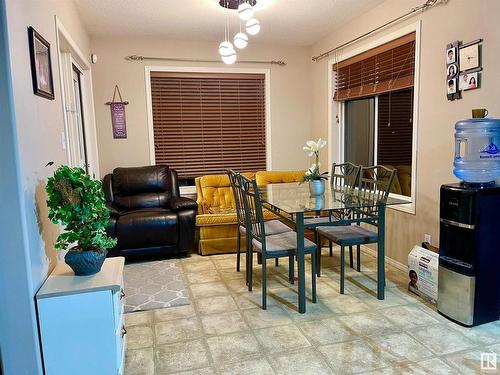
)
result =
(224, 330)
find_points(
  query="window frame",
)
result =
(186, 69)
(336, 111)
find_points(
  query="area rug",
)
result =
(154, 285)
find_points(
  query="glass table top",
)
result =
(295, 198)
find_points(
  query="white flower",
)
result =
(312, 147)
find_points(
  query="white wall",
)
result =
(290, 96)
(38, 128)
(457, 20)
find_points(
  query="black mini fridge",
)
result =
(469, 253)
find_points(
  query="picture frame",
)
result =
(451, 55)
(469, 81)
(469, 57)
(41, 65)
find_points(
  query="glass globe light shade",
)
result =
(245, 11)
(253, 26)
(225, 47)
(240, 40)
(230, 58)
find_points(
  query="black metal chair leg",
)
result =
(317, 258)
(277, 262)
(350, 257)
(358, 258)
(330, 245)
(313, 275)
(291, 271)
(250, 268)
(238, 252)
(342, 268)
(264, 284)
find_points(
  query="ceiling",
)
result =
(287, 22)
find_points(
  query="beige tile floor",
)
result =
(224, 330)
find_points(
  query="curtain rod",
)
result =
(142, 58)
(428, 4)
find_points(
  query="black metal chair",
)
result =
(272, 226)
(271, 246)
(374, 186)
(342, 176)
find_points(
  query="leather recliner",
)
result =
(147, 214)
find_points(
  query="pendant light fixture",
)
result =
(245, 12)
(253, 26)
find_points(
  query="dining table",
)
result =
(339, 205)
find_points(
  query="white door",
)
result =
(80, 156)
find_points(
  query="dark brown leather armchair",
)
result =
(148, 215)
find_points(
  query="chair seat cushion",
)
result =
(283, 242)
(348, 235)
(271, 227)
(147, 227)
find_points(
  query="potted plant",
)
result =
(313, 174)
(76, 201)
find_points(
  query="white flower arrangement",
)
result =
(313, 173)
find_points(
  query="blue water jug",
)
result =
(477, 150)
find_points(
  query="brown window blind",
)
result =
(204, 123)
(388, 67)
(395, 128)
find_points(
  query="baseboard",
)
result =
(392, 262)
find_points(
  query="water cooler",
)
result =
(469, 253)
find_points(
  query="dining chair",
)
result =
(344, 175)
(374, 185)
(272, 226)
(271, 246)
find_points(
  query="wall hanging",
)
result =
(463, 67)
(118, 120)
(41, 65)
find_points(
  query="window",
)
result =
(205, 123)
(376, 91)
(382, 139)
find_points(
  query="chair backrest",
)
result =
(376, 181)
(235, 181)
(254, 215)
(141, 187)
(278, 177)
(344, 175)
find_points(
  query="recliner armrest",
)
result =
(113, 211)
(182, 203)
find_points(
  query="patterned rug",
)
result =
(154, 285)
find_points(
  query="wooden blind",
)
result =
(388, 67)
(205, 123)
(395, 128)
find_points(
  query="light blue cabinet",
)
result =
(81, 321)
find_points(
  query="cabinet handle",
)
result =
(122, 294)
(124, 331)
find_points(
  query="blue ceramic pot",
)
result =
(317, 187)
(85, 263)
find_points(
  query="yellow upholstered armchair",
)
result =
(216, 217)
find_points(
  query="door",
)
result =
(80, 145)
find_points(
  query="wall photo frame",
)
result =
(41, 65)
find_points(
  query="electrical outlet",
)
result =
(427, 238)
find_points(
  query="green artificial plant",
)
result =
(76, 201)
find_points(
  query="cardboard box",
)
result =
(423, 273)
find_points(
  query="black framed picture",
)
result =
(41, 65)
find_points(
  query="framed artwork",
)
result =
(451, 86)
(451, 55)
(41, 65)
(469, 81)
(469, 57)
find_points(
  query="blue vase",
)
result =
(85, 263)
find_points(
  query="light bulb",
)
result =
(253, 26)
(240, 40)
(230, 58)
(245, 11)
(225, 46)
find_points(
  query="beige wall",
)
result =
(457, 20)
(39, 121)
(290, 96)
